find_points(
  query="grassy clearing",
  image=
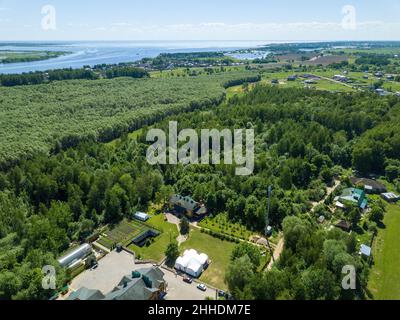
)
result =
(218, 251)
(322, 84)
(156, 250)
(384, 282)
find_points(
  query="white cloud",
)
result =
(121, 24)
(215, 30)
(212, 24)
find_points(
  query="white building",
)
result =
(192, 263)
(390, 197)
(142, 216)
(75, 256)
(339, 77)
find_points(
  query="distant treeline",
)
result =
(374, 59)
(10, 80)
(238, 82)
(192, 55)
(318, 46)
(126, 71)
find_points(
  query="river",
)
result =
(93, 53)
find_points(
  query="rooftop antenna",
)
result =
(268, 228)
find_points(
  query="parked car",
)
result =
(94, 267)
(188, 280)
(221, 294)
(202, 287)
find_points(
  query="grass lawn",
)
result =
(384, 282)
(156, 250)
(218, 251)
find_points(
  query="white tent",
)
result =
(191, 263)
(203, 259)
(194, 268)
(179, 264)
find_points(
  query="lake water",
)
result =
(92, 53)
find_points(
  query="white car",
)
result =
(202, 287)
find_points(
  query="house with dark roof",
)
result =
(86, 294)
(143, 284)
(187, 206)
(369, 185)
(344, 225)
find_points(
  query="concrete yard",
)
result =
(108, 274)
(115, 265)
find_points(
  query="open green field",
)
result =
(325, 84)
(36, 118)
(218, 251)
(156, 250)
(27, 56)
(322, 84)
(183, 72)
(368, 50)
(384, 282)
(221, 224)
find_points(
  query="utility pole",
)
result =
(268, 228)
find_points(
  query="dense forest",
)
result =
(109, 72)
(58, 115)
(48, 201)
(310, 267)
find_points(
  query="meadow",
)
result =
(219, 252)
(384, 282)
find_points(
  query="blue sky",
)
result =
(200, 20)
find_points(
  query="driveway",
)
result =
(179, 290)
